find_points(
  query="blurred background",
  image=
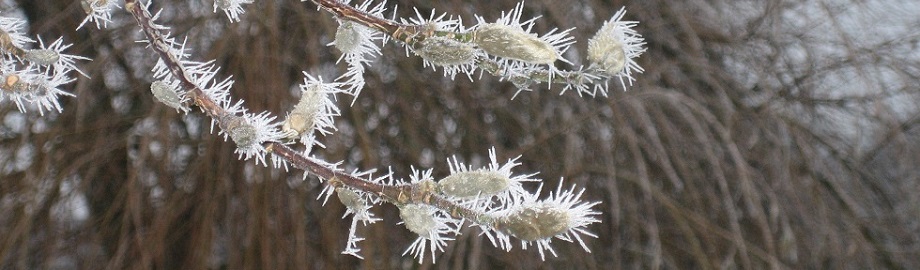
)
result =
(763, 134)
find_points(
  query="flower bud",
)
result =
(444, 51)
(167, 94)
(350, 199)
(241, 131)
(607, 52)
(535, 222)
(418, 218)
(42, 57)
(472, 183)
(347, 37)
(512, 42)
(302, 117)
(614, 48)
(296, 124)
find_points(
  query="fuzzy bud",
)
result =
(535, 222)
(350, 199)
(417, 218)
(296, 124)
(607, 52)
(473, 183)
(613, 50)
(42, 57)
(445, 51)
(302, 117)
(347, 38)
(167, 94)
(512, 42)
(241, 131)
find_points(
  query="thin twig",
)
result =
(416, 193)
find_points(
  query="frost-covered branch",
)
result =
(33, 76)
(506, 48)
(492, 198)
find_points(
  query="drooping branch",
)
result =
(427, 207)
(508, 51)
(418, 193)
(159, 45)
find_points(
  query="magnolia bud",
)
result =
(473, 183)
(296, 124)
(615, 46)
(607, 52)
(417, 218)
(42, 57)
(167, 94)
(347, 38)
(512, 42)
(302, 117)
(535, 222)
(241, 131)
(350, 199)
(446, 51)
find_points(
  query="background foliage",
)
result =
(763, 134)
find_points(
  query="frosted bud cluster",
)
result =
(492, 196)
(33, 77)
